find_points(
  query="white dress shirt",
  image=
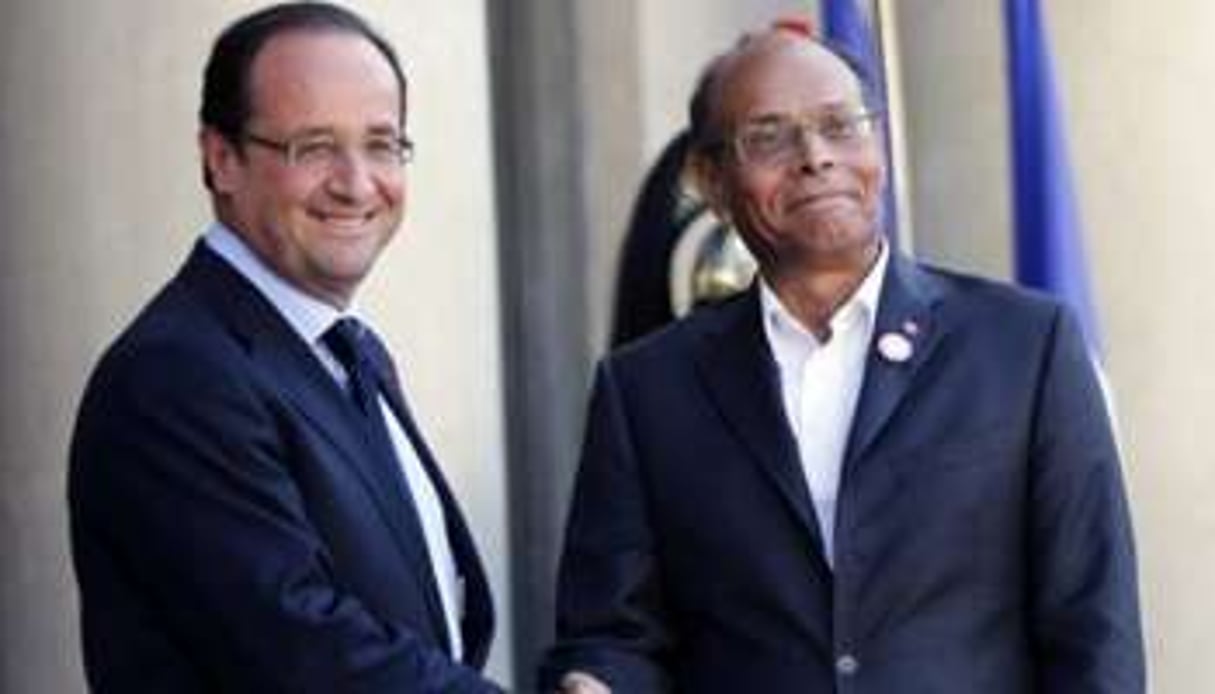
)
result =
(311, 318)
(820, 383)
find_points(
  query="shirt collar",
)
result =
(308, 316)
(785, 331)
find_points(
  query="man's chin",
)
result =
(841, 232)
(840, 244)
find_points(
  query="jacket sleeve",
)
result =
(182, 490)
(610, 617)
(1083, 592)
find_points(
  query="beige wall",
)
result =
(1142, 87)
(101, 200)
(1137, 83)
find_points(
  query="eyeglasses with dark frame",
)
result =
(777, 141)
(321, 151)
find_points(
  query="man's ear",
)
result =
(707, 177)
(222, 162)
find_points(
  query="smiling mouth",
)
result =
(823, 199)
(344, 219)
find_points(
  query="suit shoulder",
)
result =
(672, 341)
(994, 298)
(175, 343)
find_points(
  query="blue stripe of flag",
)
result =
(1049, 247)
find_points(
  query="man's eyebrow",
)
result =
(318, 131)
(312, 131)
(833, 108)
(772, 118)
(383, 129)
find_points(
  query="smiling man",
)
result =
(863, 475)
(253, 508)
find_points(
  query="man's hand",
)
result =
(582, 683)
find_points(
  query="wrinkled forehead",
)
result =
(782, 75)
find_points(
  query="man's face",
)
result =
(805, 196)
(320, 221)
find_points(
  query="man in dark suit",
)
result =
(863, 475)
(252, 506)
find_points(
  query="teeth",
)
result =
(343, 219)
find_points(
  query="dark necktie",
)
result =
(369, 372)
(361, 354)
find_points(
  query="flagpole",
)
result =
(885, 23)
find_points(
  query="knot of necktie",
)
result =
(360, 353)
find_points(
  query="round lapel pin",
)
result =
(895, 347)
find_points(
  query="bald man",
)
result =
(862, 475)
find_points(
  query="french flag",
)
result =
(1046, 224)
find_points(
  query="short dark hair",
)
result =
(226, 94)
(705, 140)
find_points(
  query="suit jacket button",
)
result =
(847, 665)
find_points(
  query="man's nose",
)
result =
(814, 152)
(351, 175)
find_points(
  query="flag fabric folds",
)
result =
(1046, 223)
(844, 23)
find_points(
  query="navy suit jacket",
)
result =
(982, 534)
(232, 529)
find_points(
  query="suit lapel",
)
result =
(737, 366)
(477, 617)
(304, 383)
(906, 308)
(316, 396)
